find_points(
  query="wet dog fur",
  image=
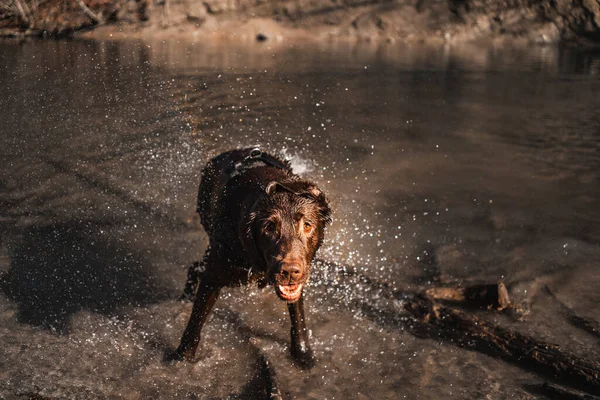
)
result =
(264, 224)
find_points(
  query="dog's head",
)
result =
(288, 226)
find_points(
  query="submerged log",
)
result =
(423, 316)
(557, 392)
(585, 324)
(474, 333)
(480, 296)
(427, 319)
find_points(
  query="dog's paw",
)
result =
(172, 357)
(305, 359)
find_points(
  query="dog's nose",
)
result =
(290, 272)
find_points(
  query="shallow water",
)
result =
(480, 163)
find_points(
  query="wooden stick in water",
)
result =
(491, 296)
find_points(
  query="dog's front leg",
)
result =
(301, 350)
(194, 274)
(207, 295)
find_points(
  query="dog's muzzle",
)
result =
(289, 293)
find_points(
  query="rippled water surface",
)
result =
(480, 163)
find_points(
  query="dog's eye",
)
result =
(269, 227)
(307, 228)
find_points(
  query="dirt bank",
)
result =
(541, 21)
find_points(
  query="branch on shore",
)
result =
(95, 17)
(22, 11)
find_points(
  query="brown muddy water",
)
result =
(484, 160)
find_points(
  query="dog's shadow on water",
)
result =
(58, 270)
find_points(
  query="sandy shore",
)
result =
(277, 21)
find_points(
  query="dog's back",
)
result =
(213, 180)
(220, 172)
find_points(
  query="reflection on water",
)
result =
(483, 161)
(297, 57)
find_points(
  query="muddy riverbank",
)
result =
(406, 20)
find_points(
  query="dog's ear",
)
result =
(275, 186)
(319, 197)
(324, 208)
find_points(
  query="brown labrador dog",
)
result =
(264, 224)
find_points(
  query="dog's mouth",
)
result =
(289, 293)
